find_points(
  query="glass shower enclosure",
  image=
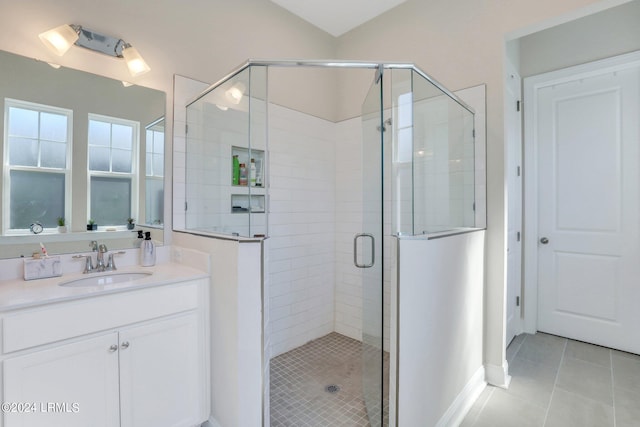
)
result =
(417, 178)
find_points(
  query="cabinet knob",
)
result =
(113, 348)
(125, 345)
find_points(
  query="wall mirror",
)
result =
(79, 147)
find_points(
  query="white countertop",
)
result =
(18, 293)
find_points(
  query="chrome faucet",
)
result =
(102, 249)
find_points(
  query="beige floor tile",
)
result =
(588, 353)
(626, 372)
(505, 410)
(472, 415)
(532, 381)
(572, 410)
(542, 348)
(627, 406)
(587, 380)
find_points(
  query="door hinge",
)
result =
(518, 171)
(518, 105)
(185, 206)
(186, 128)
(517, 301)
(473, 133)
(517, 236)
(474, 206)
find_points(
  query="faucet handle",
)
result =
(93, 245)
(88, 264)
(111, 264)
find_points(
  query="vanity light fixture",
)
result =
(60, 39)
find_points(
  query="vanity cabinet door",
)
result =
(70, 385)
(161, 378)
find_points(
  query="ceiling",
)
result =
(337, 17)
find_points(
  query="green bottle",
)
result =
(236, 171)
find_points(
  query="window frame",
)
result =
(135, 166)
(7, 167)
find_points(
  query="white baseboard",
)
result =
(498, 375)
(465, 399)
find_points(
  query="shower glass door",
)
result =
(368, 254)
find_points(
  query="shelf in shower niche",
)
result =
(244, 156)
(240, 203)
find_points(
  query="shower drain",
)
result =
(332, 388)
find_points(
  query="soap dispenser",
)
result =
(147, 251)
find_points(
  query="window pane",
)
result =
(154, 201)
(149, 143)
(122, 137)
(121, 161)
(53, 127)
(23, 122)
(23, 152)
(158, 165)
(148, 165)
(99, 159)
(54, 155)
(110, 200)
(36, 196)
(99, 133)
(158, 142)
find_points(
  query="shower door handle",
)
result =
(355, 250)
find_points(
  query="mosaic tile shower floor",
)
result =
(299, 379)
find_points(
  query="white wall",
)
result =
(301, 227)
(348, 216)
(439, 292)
(236, 328)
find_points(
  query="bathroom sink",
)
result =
(101, 279)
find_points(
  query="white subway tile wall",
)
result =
(302, 225)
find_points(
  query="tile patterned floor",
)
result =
(300, 376)
(558, 382)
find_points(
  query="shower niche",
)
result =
(332, 190)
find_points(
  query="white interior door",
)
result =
(586, 132)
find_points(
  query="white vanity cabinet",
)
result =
(84, 373)
(131, 359)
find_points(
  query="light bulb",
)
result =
(135, 63)
(60, 39)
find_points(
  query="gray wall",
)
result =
(608, 33)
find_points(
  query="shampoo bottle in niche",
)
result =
(236, 171)
(147, 251)
(243, 174)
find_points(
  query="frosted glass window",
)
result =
(37, 148)
(110, 200)
(155, 152)
(154, 184)
(154, 193)
(113, 145)
(36, 196)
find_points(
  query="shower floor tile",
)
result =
(300, 377)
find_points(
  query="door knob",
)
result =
(125, 345)
(544, 240)
(113, 348)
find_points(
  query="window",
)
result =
(37, 165)
(154, 193)
(113, 147)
